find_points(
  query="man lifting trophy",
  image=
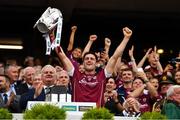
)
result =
(49, 20)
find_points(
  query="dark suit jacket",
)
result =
(21, 88)
(29, 96)
(13, 107)
(2, 105)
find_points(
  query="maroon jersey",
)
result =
(88, 88)
(144, 100)
(73, 61)
(155, 72)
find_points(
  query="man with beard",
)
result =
(90, 85)
(125, 89)
(7, 96)
(12, 72)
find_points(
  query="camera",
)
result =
(173, 61)
(177, 60)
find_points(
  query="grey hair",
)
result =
(62, 71)
(46, 66)
(170, 91)
(7, 67)
(27, 68)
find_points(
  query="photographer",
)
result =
(172, 66)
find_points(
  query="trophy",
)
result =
(51, 19)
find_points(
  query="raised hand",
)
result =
(60, 52)
(140, 73)
(155, 54)
(52, 34)
(148, 51)
(107, 42)
(115, 95)
(92, 37)
(131, 52)
(127, 32)
(38, 89)
(73, 28)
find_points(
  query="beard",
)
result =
(2, 90)
(127, 81)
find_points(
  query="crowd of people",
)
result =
(124, 87)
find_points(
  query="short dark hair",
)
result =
(6, 77)
(139, 79)
(87, 53)
(127, 69)
(78, 48)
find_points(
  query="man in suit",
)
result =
(39, 91)
(63, 79)
(23, 87)
(12, 72)
(7, 97)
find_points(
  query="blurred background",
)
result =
(154, 22)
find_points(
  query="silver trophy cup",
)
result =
(48, 20)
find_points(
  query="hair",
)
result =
(139, 78)
(155, 77)
(107, 79)
(78, 48)
(6, 77)
(27, 68)
(7, 67)
(176, 71)
(99, 50)
(46, 66)
(87, 53)
(128, 69)
(54, 61)
(36, 74)
(27, 60)
(170, 91)
(62, 71)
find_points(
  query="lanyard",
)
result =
(57, 40)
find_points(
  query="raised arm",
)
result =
(137, 92)
(92, 38)
(156, 55)
(149, 86)
(133, 62)
(119, 50)
(141, 63)
(64, 59)
(71, 39)
(107, 45)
